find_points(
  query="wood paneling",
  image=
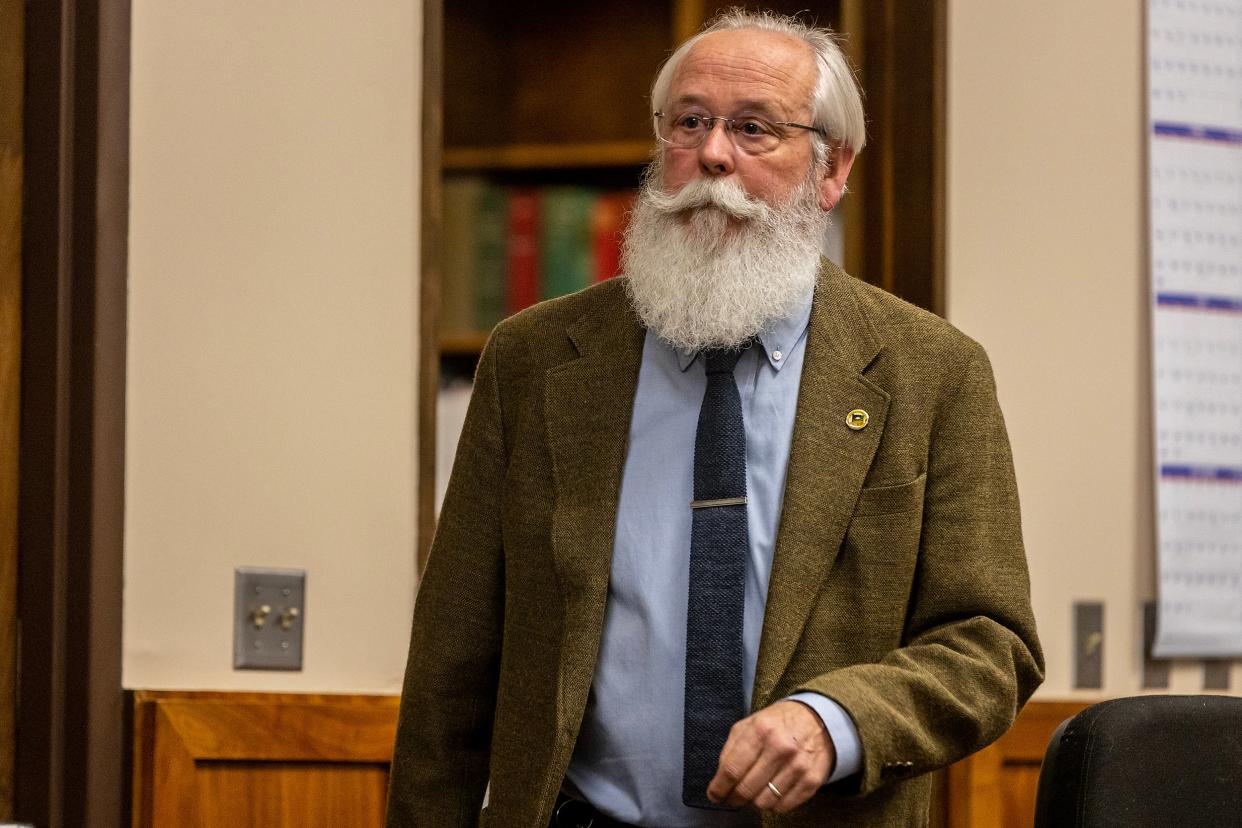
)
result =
(11, 71)
(299, 795)
(995, 788)
(249, 759)
(267, 759)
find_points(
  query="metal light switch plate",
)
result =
(269, 609)
(1089, 644)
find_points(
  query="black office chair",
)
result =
(1158, 761)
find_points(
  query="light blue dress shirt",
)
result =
(628, 759)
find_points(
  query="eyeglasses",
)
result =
(751, 134)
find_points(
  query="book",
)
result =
(490, 256)
(566, 255)
(608, 219)
(457, 279)
(522, 250)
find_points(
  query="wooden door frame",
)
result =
(898, 194)
(431, 230)
(71, 755)
(12, 49)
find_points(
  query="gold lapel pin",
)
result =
(857, 419)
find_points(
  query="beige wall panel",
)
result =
(1047, 268)
(272, 333)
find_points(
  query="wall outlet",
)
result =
(269, 611)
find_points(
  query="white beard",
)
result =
(710, 267)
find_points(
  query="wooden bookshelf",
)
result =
(463, 344)
(589, 154)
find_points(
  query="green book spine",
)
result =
(457, 283)
(567, 256)
(489, 256)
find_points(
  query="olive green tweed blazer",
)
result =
(899, 585)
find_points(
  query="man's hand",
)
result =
(785, 744)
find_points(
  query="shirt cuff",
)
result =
(841, 730)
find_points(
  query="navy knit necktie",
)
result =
(718, 549)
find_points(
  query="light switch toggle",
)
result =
(258, 616)
(269, 614)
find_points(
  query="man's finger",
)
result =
(796, 784)
(739, 753)
(781, 790)
(753, 787)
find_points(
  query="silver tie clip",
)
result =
(723, 501)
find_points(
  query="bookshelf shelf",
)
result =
(463, 344)
(548, 156)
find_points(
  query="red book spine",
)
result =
(607, 229)
(522, 251)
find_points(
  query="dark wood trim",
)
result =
(11, 83)
(852, 207)
(688, 18)
(71, 750)
(429, 270)
(940, 156)
(900, 177)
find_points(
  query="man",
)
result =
(734, 538)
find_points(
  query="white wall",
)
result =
(1047, 268)
(272, 333)
(273, 319)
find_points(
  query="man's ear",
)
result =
(832, 185)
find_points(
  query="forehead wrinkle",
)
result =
(778, 73)
(760, 105)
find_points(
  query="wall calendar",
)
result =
(1194, 85)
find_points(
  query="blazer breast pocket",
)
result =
(877, 563)
(891, 500)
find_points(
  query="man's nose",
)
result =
(717, 152)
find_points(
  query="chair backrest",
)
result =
(1145, 761)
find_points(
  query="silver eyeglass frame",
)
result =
(711, 121)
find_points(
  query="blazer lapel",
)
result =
(587, 407)
(828, 462)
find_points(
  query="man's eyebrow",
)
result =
(686, 99)
(756, 105)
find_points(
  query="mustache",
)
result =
(721, 194)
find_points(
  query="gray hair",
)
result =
(837, 101)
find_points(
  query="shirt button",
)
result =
(776, 355)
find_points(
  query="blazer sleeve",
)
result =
(440, 761)
(970, 656)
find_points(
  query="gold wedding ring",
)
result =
(775, 790)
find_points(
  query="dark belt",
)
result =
(574, 813)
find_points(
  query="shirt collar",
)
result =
(777, 337)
